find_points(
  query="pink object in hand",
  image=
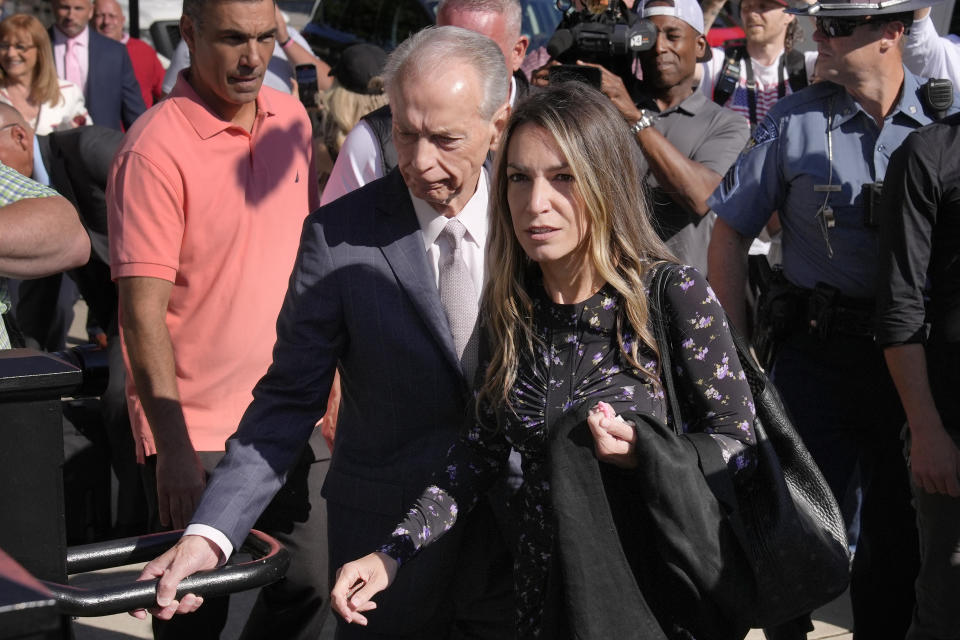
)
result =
(606, 410)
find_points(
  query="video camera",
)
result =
(605, 33)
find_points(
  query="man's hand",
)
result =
(612, 86)
(189, 555)
(934, 460)
(180, 479)
(614, 439)
(540, 77)
(180, 483)
(297, 55)
(357, 582)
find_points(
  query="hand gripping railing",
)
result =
(269, 564)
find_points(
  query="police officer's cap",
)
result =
(841, 8)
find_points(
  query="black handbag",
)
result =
(783, 516)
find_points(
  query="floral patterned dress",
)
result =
(579, 361)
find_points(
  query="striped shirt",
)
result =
(766, 78)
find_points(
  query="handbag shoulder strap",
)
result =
(659, 319)
(659, 281)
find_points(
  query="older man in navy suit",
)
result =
(367, 296)
(98, 65)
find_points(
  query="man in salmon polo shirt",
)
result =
(206, 200)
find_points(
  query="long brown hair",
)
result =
(606, 164)
(44, 85)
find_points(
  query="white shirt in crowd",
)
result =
(767, 79)
(929, 55)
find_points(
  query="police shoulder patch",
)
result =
(766, 131)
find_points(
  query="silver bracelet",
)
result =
(646, 119)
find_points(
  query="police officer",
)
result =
(818, 158)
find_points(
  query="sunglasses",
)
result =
(840, 27)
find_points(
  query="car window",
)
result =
(338, 23)
(540, 19)
(406, 18)
(356, 17)
(382, 22)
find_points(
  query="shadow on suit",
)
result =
(363, 298)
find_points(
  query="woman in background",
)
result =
(357, 90)
(28, 78)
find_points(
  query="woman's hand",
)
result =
(614, 438)
(358, 581)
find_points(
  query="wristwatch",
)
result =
(646, 119)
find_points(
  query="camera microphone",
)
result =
(560, 42)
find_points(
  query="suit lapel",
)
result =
(59, 179)
(92, 44)
(401, 242)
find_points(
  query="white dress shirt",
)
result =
(474, 218)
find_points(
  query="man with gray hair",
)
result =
(369, 295)
(368, 152)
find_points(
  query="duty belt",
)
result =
(828, 313)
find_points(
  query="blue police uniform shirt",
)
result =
(785, 160)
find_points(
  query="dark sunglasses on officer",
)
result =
(841, 27)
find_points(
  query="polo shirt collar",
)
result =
(204, 121)
(690, 105)
(910, 104)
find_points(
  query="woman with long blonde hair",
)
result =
(566, 320)
(28, 78)
(356, 91)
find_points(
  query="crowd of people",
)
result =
(368, 319)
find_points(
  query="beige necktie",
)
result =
(459, 298)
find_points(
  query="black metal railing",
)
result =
(267, 563)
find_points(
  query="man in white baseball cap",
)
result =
(688, 141)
